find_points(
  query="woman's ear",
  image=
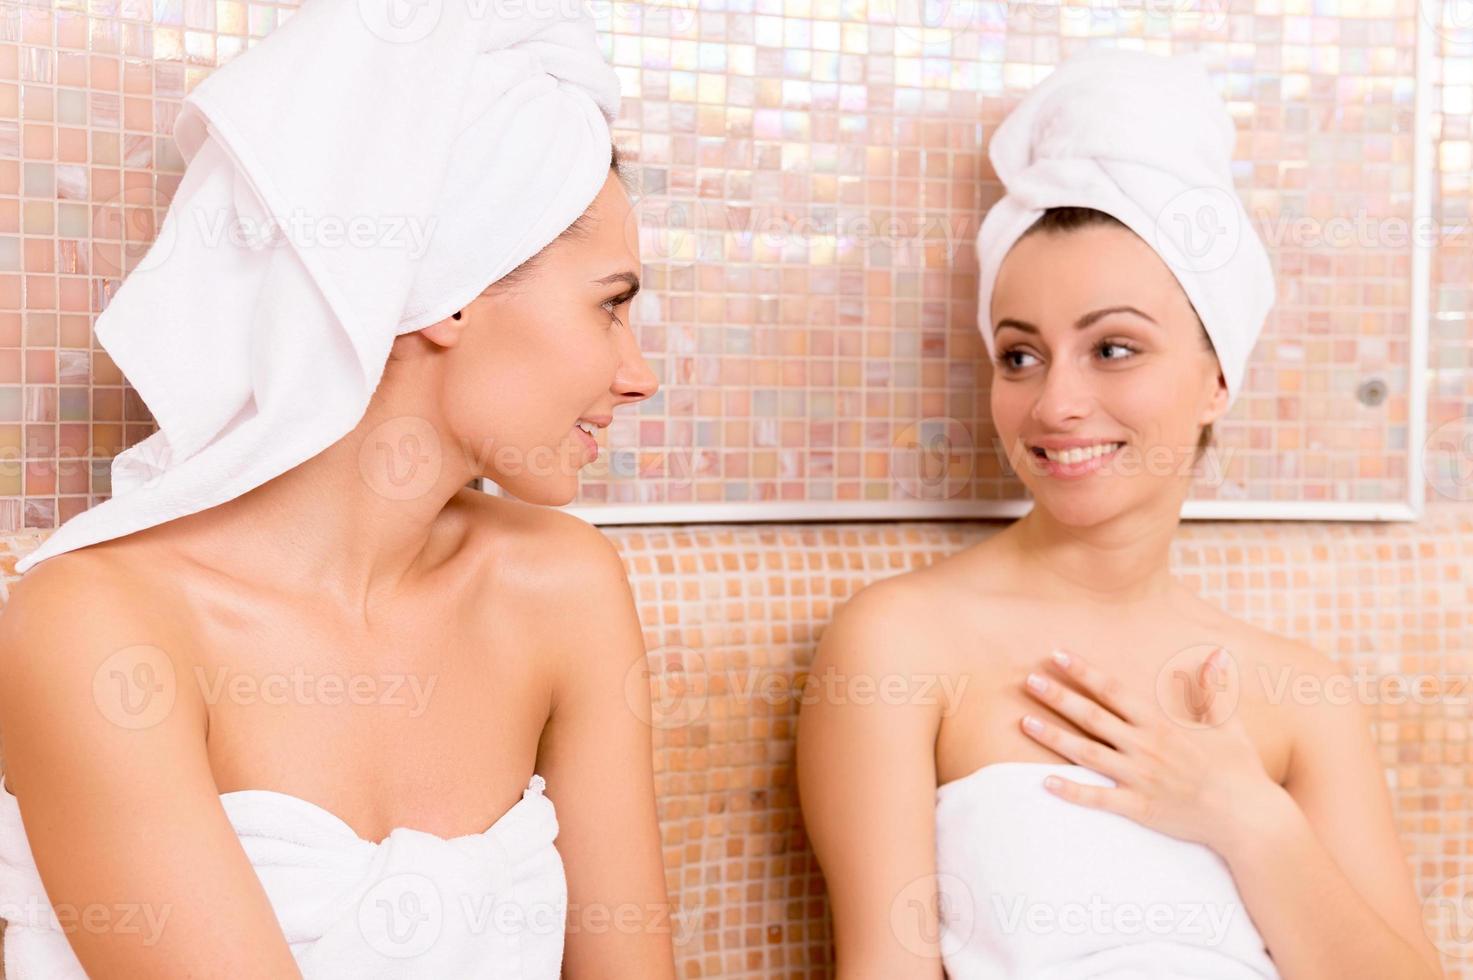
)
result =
(446, 332)
(1218, 404)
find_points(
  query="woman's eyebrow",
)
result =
(628, 278)
(1079, 324)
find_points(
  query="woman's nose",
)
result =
(635, 380)
(1065, 394)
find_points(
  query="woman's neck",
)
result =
(1122, 561)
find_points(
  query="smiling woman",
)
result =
(1113, 754)
(537, 356)
(1131, 370)
(1059, 221)
(301, 527)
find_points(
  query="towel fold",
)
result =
(351, 177)
(1146, 139)
(491, 905)
(1032, 885)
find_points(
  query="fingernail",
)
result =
(1037, 683)
(1061, 658)
(1032, 724)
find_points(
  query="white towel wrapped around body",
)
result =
(1033, 886)
(413, 906)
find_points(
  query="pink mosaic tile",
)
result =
(732, 614)
(810, 180)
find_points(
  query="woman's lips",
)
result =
(1073, 470)
(588, 442)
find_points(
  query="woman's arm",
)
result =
(1320, 865)
(597, 756)
(104, 736)
(867, 787)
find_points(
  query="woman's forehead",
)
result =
(1053, 276)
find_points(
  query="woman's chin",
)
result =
(1077, 505)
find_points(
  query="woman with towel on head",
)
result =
(1146, 802)
(327, 712)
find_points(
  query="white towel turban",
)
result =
(1146, 139)
(410, 162)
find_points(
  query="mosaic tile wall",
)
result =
(1449, 444)
(1383, 600)
(772, 184)
(811, 177)
(732, 614)
(727, 610)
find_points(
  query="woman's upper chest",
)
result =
(430, 718)
(1157, 664)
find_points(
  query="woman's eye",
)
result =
(1108, 344)
(1016, 359)
(611, 305)
(1008, 358)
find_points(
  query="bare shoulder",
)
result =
(543, 550)
(568, 585)
(104, 743)
(73, 621)
(1314, 695)
(86, 597)
(891, 603)
(904, 626)
(55, 581)
(1297, 692)
(1272, 665)
(116, 582)
(918, 613)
